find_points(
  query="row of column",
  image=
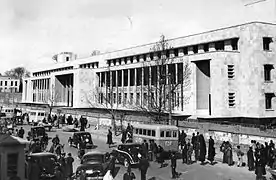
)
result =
(65, 89)
(139, 93)
(41, 90)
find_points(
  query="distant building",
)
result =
(233, 75)
(9, 84)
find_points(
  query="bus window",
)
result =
(140, 131)
(144, 132)
(41, 114)
(149, 132)
(153, 133)
(174, 133)
(168, 134)
(162, 134)
(33, 113)
(137, 131)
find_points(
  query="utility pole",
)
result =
(170, 99)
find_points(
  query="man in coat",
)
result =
(173, 166)
(69, 165)
(250, 159)
(211, 150)
(143, 166)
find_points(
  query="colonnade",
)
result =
(40, 91)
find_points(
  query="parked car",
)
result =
(128, 154)
(37, 132)
(95, 164)
(79, 137)
(45, 160)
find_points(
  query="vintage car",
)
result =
(92, 172)
(37, 132)
(128, 154)
(45, 160)
(96, 164)
(79, 137)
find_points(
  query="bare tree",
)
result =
(19, 73)
(162, 83)
(51, 98)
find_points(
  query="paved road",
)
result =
(189, 172)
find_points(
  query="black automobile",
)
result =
(37, 132)
(45, 160)
(95, 164)
(81, 137)
(128, 154)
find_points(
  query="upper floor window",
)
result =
(234, 43)
(219, 45)
(231, 71)
(231, 99)
(15, 83)
(266, 43)
(268, 100)
(1, 83)
(11, 83)
(6, 83)
(267, 72)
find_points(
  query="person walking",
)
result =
(143, 166)
(250, 159)
(129, 175)
(173, 165)
(69, 165)
(229, 154)
(145, 148)
(189, 152)
(109, 137)
(202, 149)
(240, 155)
(211, 150)
(184, 152)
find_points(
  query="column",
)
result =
(105, 86)
(176, 84)
(100, 80)
(123, 89)
(135, 86)
(142, 87)
(117, 88)
(128, 84)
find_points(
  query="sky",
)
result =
(32, 31)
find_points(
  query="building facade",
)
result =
(232, 75)
(9, 84)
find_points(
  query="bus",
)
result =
(36, 116)
(9, 111)
(164, 135)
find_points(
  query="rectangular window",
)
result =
(206, 47)
(144, 132)
(195, 49)
(114, 98)
(234, 43)
(149, 132)
(268, 100)
(267, 72)
(231, 71)
(12, 164)
(231, 99)
(1, 83)
(11, 83)
(140, 131)
(162, 134)
(174, 133)
(6, 83)
(120, 98)
(138, 98)
(168, 134)
(266, 43)
(219, 46)
(136, 131)
(153, 133)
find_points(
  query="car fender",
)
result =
(126, 155)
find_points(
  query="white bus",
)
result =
(36, 116)
(164, 135)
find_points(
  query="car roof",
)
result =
(94, 153)
(42, 154)
(38, 127)
(87, 165)
(81, 132)
(130, 144)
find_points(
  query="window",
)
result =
(114, 98)
(119, 98)
(268, 100)
(140, 131)
(231, 71)
(131, 98)
(234, 43)
(231, 99)
(206, 47)
(195, 49)
(6, 83)
(266, 43)
(11, 83)
(144, 132)
(267, 72)
(125, 98)
(162, 134)
(1, 83)
(137, 98)
(174, 133)
(136, 131)
(168, 134)
(12, 164)
(149, 132)
(153, 133)
(219, 46)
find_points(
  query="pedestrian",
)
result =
(129, 175)
(69, 165)
(223, 150)
(160, 156)
(145, 148)
(62, 163)
(189, 152)
(123, 139)
(173, 165)
(240, 155)
(112, 164)
(143, 166)
(250, 159)
(202, 149)
(259, 170)
(211, 150)
(229, 154)
(109, 137)
(55, 140)
(82, 123)
(184, 152)
(21, 132)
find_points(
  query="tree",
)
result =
(19, 73)
(51, 98)
(162, 84)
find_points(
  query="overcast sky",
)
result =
(32, 31)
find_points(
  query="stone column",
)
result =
(128, 84)
(123, 89)
(117, 88)
(135, 86)
(142, 86)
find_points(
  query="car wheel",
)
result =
(126, 163)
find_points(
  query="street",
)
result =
(195, 171)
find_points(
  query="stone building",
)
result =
(232, 75)
(9, 84)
